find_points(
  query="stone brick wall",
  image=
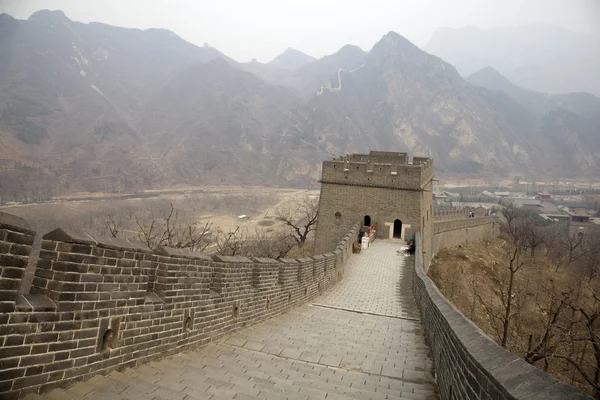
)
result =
(448, 233)
(16, 239)
(445, 215)
(468, 363)
(382, 185)
(100, 304)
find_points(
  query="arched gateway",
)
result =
(397, 234)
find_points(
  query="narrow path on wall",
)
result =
(361, 340)
(378, 281)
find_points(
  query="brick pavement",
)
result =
(361, 340)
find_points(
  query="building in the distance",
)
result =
(381, 188)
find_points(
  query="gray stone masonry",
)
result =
(381, 185)
(360, 340)
(98, 305)
(469, 364)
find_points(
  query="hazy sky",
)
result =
(246, 29)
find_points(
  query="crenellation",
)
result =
(381, 187)
(305, 270)
(154, 303)
(16, 239)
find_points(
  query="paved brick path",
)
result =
(361, 340)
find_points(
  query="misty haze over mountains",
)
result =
(97, 107)
(539, 57)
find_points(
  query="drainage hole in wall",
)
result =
(108, 340)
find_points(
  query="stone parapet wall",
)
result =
(461, 223)
(446, 215)
(101, 304)
(379, 170)
(468, 363)
(451, 233)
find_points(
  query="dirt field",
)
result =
(221, 205)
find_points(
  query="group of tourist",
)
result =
(488, 213)
(366, 236)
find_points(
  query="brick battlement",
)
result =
(448, 215)
(379, 169)
(100, 304)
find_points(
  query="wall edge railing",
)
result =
(487, 370)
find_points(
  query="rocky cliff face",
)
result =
(95, 107)
(404, 98)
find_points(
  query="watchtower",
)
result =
(381, 188)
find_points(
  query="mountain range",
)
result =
(88, 107)
(539, 57)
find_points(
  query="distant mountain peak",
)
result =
(393, 41)
(49, 15)
(291, 59)
(525, 54)
(394, 46)
(396, 39)
(6, 17)
(350, 49)
(489, 72)
(489, 78)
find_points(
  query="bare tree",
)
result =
(107, 222)
(165, 227)
(230, 243)
(273, 245)
(239, 242)
(584, 332)
(590, 251)
(552, 234)
(300, 217)
(511, 216)
(514, 248)
(570, 246)
(533, 236)
(114, 224)
(553, 306)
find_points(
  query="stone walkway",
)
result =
(361, 340)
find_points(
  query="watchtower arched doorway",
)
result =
(397, 229)
(367, 221)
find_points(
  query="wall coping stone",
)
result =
(513, 376)
(180, 253)
(265, 260)
(289, 260)
(304, 259)
(97, 290)
(318, 257)
(112, 243)
(140, 246)
(14, 223)
(231, 259)
(69, 236)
